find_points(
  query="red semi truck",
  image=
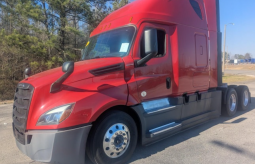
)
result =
(150, 70)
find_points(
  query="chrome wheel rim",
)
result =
(232, 103)
(245, 98)
(116, 140)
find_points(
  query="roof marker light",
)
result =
(130, 20)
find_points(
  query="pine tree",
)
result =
(98, 11)
(64, 10)
(119, 3)
(42, 34)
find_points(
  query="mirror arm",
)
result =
(55, 87)
(144, 60)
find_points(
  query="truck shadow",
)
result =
(146, 151)
(234, 148)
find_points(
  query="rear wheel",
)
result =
(230, 107)
(244, 97)
(113, 139)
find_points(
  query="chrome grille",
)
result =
(21, 105)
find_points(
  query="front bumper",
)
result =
(55, 146)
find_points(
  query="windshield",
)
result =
(115, 43)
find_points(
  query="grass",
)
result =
(241, 67)
(230, 78)
(6, 102)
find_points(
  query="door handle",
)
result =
(168, 83)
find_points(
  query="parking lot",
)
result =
(223, 140)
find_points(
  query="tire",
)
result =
(244, 97)
(230, 107)
(112, 139)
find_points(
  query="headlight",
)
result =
(56, 115)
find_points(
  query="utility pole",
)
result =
(223, 63)
(227, 57)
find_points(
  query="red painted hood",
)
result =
(81, 71)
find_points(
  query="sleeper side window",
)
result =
(161, 36)
(196, 8)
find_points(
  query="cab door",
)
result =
(154, 78)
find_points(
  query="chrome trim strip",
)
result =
(164, 128)
(161, 110)
(152, 130)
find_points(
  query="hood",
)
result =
(81, 72)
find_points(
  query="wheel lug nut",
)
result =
(116, 133)
(120, 132)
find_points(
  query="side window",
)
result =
(197, 8)
(161, 44)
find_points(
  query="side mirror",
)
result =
(68, 68)
(150, 46)
(27, 72)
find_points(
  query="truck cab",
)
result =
(149, 70)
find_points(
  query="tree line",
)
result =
(228, 56)
(42, 34)
(247, 56)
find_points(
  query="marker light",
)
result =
(130, 20)
(56, 115)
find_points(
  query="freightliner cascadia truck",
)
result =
(149, 70)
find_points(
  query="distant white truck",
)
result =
(236, 61)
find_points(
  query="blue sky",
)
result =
(241, 36)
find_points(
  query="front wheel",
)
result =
(112, 139)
